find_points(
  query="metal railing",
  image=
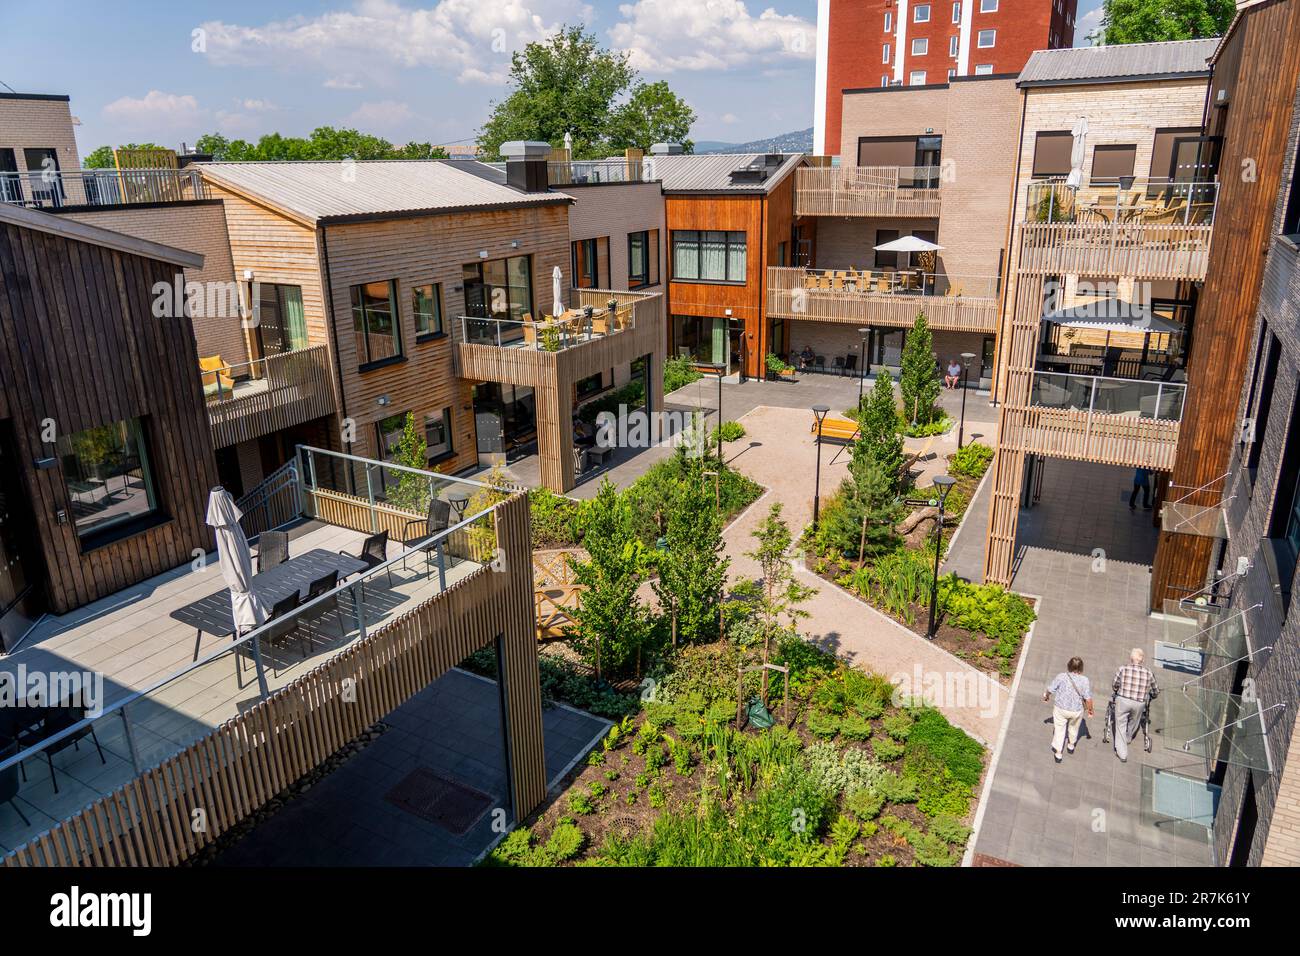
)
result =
(593, 314)
(1097, 394)
(594, 171)
(230, 382)
(54, 189)
(855, 178)
(1139, 202)
(143, 727)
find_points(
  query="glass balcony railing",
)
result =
(1131, 201)
(1109, 396)
(54, 189)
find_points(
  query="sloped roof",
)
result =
(96, 235)
(1119, 62)
(711, 173)
(324, 191)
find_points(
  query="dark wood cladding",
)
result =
(1257, 67)
(81, 348)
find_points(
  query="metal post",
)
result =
(961, 428)
(934, 583)
(370, 494)
(258, 666)
(130, 740)
(817, 482)
(442, 566)
(719, 427)
(1159, 387)
(357, 610)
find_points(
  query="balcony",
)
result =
(594, 172)
(867, 191)
(253, 399)
(951, 302)
(1115, 421)
(60, 189)
(192, 715)
(1153, 229)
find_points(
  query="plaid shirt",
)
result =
(1134, 682)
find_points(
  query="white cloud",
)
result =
(663, 36)
(730, 118)
(1086, 24)
(472, 38)
(384, 116)
(155, 111)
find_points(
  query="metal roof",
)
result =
(1118, 63)
(319, 191)
(711, 173)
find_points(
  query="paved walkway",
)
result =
(784, 461)
(1085, 811)
(452, 728)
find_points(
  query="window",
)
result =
(590, 385)
(885, 58)
(1052, 150)
(388, 432)
(1110, 162)
(499, 288)
(374, 322)
(643, 258)
(920, 46)
(956, 13)
(884, 81)
(886, 260)
(889, 21)
(591, 263)
(921, 13)
(709, 256)
(983, 69)
(426, 303)
(108, 477)
(1284, 526)
(1264, 405)
(1291, 221)
(281, 324)
(437, 435)
(988, 6)
(986, 38)
(952, 45)
(916, 78)
(701, 339)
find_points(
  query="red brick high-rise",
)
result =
(864, 43)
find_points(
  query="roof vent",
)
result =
(773, 160)
(753, 173)
(666, 149)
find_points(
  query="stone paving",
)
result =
(1085, 811)
(452, 727)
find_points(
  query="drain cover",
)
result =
(453, 806)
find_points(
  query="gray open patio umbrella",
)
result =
(236, 560)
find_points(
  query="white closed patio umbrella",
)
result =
(1077, 151)
(236, 560)
(557, 280)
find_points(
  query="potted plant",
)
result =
(778, 368)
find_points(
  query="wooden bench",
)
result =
(836, 429)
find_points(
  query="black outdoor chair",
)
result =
(374, 552)
(272, 549)
(436, 521)
(58, 719)
(839, 364)
(850, 364)
(820, 363)
(283, 623)
(9, 783)
(318, 612)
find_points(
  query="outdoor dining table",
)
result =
(212, 614)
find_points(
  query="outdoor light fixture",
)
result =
(965, 368)
(382, 400)
(866, 362)
(820, 412)
(944, 484)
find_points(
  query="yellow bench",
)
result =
(836, 429)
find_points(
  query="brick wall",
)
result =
(41, 124)
(195, 227)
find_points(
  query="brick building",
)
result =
(864, 43)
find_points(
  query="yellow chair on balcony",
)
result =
(213, 374)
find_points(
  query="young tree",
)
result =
(411, 491)
(866, 508)
(613, 623)
(777, 595)
(878, 438)
(568, 84)
(692, 571)
(325, 143)
(1149, 21)
(919, 381)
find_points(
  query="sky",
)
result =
(423, 70)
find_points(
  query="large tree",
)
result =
(692, 569)
(568, 84)
(325, 142)
(1148, 21)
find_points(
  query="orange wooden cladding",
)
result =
(298, 389)
(1262, 52)
(242, 764)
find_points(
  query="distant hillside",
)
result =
(799, 141)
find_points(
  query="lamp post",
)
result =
(944, 483)
(819, 411)
(866, 362)
(965, 368)
(722, 370)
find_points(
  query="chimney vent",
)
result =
(526, 165)
(666, 149)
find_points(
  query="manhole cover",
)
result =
(451, 805)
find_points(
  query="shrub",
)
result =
(986, 609)
(581, 804)
(554, 519)
(731, 431)
(855, 727)
(886, 749)
(566, 842)
(678, 373)
(970, 461)
(897, 726)
(895, 788)
(925, 429)
(842, 771)
(822, 724)
(932, 851)
(931, 734)
(949, 829)
(887, 860)
(865, 804)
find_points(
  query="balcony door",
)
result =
(22, 566)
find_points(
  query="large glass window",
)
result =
(108, 476)
(437, 434)
(1111, 161)
(591, 263)
(701, 339)
(709, 256)
(426, 303)
(374, 321)
(986, 38)
(1284, 528)
(643, 258)
(500, 288)
(281, 323)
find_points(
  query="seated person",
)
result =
(953, 378)
(806, 358)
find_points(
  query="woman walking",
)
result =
(1072, 695)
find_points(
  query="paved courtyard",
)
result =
(1085, 811)
(451, 728)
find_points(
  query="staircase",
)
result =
(274, 502)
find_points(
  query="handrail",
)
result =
(1093, 380)
(250, 637)
(267, 363)
(953, 284)
(1176, 202)
(100, 187)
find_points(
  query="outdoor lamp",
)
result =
(866, 361)
(966, 358)
(944, 483)
(819, 412)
